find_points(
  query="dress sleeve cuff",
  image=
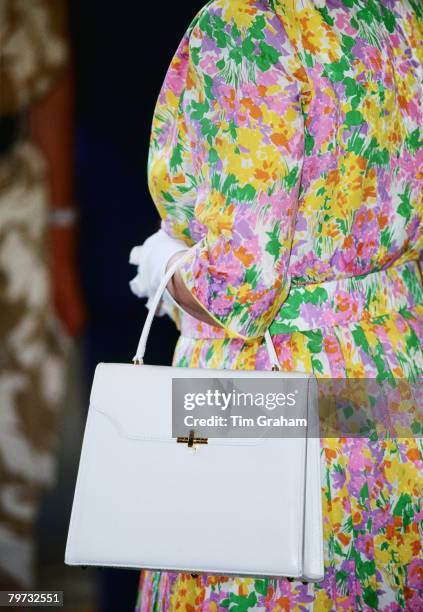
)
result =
(242, 309)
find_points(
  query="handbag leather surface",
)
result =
(233, 506)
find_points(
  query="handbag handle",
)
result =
(139, 355)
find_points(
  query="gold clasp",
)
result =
(191, 439)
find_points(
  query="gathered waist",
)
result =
(336, 302)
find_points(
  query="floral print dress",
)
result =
(286, 152)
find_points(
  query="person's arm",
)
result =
(51, 129)
(225, 164)
(184, 298)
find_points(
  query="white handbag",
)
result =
(234, 506)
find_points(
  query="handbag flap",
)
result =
(137, 399)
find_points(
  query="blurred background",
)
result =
(78, 85)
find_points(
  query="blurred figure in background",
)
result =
(37, 273)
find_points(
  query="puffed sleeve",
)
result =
(225, 160)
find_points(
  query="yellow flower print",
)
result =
(159, 182)
(322, 603)
(240, 12)
(244, 586)
(213, 213)
(317, 37)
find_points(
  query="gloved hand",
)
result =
(151, 258)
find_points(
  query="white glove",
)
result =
(152, 258)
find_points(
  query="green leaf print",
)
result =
(361, 340)
(176, 158)
(195, 55)
(417, 7)
(317, 365)
(204, 23)
(237, 308)
(417, 428)
(335, 70)
(404, 509)
(348, 525)
(291, 179)
(347, 44)
(167, 196)
(232, 129)
(338, 549)
(292, 303)
(251, 276)
(183, 363)
(349, 3)
(357, 145)
(413, 284)
(257, 27)
(198, 109)
(351, 86)
(326, 17)
(229, 183)
(245, 194)
(308, 142)
(288, 313)
(341, 578)
(412, 341)
(405, 208)
(209, 353)
(243, 317)
(356, 101)
(354, 117)
(316, 296)
(315, 340)
(413, 142)
(274, 246)
(308, 59)
(221, 38)
(365, 14)
(236, 55)
(235, 32)
(375, 155)
(368, 568)
(386, 237)
(364, 493)
(261, 586)
(208, 84)
(239, 603)
(370, 597)
(248, 47)
(267, 58)
(388, 18)
(213, 156)
(354, 22)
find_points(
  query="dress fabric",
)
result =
(286, 151)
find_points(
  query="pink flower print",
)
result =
(415, 574)
(335, 356)
(222, 304)
(342, 23)
(284, 351)
(348, 306)
(208, 64)
(263, 303)
(357, 461)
